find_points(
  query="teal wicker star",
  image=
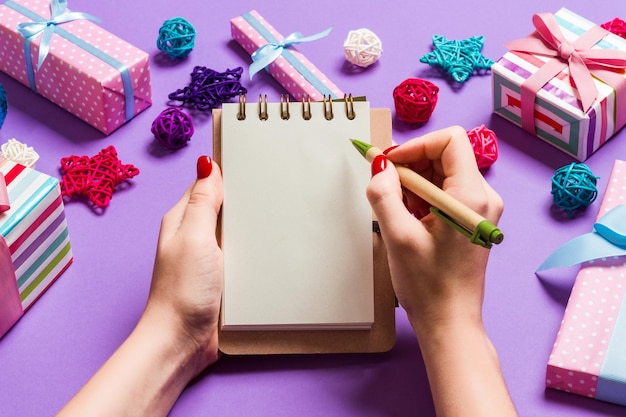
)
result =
(459, 59)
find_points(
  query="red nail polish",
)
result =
(389, 149)
(204, 166)
(379, 164)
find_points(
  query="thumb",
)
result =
(205, 198)
(384, 193)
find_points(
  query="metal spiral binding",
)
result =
(306, 107)
(284, 107)
(241, 114)
(350, 114)
(328, 108)
(263, 108)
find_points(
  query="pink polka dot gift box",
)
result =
(67, 58)
(275, 53)
(589, 355)
(34, 241)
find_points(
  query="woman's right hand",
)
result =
(439, 275)
(436, 271)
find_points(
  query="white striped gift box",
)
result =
(559, 119)
(34, 231)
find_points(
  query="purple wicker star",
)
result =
(459, 59)
(209, 88)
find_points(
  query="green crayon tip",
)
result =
(362, 147)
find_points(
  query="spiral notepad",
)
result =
(296, 224)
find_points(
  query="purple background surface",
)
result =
(87, 313)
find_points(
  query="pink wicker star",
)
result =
(95, 177)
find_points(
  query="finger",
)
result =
(385, 196)
(416, 205)
(204, 203)
(446, 158)
(450, 146)
(429, 146)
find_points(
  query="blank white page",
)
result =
(296, 224)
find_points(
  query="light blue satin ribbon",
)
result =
(49, 27)
(607, 240)
(269, 52)
(612, 376)
(281, 48)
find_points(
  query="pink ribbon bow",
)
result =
(578, 56)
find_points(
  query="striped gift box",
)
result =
(33, 233)
(558, 117)
(292, 69)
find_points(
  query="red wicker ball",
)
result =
(415, 100)
(485, 145)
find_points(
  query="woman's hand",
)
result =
(176, 337)
(188, 270)
(439, 275)
(436, 271)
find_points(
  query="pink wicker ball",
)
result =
(485, 145)
(415, 100)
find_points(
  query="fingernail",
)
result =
(379, 164)
(204, 166)
(389, 149)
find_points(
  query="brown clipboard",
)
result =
(379, 338)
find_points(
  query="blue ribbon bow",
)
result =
(47, 28)
(269, 52)
(607, 240)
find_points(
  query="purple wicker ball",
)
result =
(173, 128)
